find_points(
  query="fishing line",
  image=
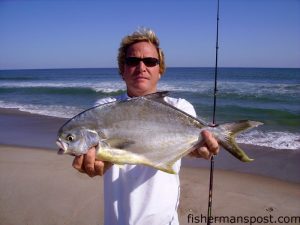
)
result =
(211, 174)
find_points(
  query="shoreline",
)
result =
(24, 129)
(16, 125)
(43, 188)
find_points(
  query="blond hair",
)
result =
(141, 34)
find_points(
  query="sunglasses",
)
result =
(148, 61)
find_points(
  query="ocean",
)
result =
(269, 95)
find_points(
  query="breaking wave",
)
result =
(272, 139)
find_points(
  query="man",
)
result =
(137, 194)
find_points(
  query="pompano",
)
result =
(144, 130)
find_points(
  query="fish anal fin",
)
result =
(168, 165)
(168, 168)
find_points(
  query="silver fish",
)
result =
(144, 130)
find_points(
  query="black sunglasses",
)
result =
(148, 61)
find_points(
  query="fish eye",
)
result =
(70, 137)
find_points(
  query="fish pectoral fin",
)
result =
(119, 143)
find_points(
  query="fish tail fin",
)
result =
(228, 142)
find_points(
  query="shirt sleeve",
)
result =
(182, 104)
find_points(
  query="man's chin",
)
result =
(140, 90)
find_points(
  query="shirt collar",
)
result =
(123, 97)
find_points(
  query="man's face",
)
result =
(141, 79)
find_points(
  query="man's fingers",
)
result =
(78, 163)
(210, 142)
(204, 153)
(89, 162)
(99, 168)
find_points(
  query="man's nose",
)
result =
(141, 66)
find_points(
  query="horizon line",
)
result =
(220, 67)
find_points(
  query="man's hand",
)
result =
(208, 147)
(88, 164)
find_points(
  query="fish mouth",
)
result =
(61, 152)
(63, 147)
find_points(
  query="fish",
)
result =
(144, 130)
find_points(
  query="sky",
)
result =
(40, 34)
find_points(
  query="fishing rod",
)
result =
(211, 174)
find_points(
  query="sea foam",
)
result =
(273, 139)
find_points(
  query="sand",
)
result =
(237, 195)
(40, 187)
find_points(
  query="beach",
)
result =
(40, 187)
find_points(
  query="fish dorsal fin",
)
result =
(119, 143)
(157, 96)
